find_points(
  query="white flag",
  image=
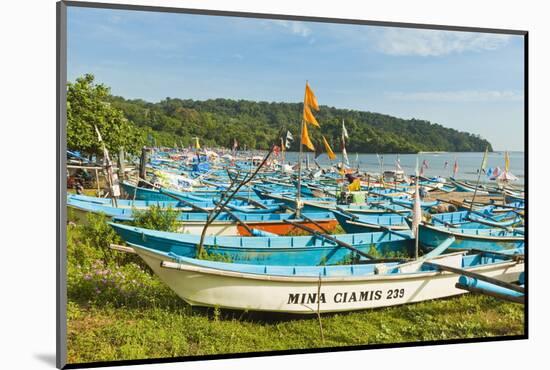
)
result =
(345, 155)
(344, 137)
(289, 136)
(344, 131)
(417, 211)
(398, 164)
(289, 139)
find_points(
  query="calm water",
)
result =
(468, 163)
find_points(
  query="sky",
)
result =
(472, 82)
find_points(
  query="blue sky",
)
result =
(468, 81)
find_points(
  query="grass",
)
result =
(119, 310)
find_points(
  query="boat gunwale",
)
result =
(473, 236)
(325, 279)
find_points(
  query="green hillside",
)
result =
(254, 124)
(257, 124)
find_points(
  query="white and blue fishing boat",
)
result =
(476, 220)
(275, 250)
(320, 289)
(363, 223)
(140, 193)
(424, 204)
(224, 224)
(487, 239)
(184, 205)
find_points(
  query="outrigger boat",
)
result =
(185, 204)
(476, 220)
(275, 250)
(226, 223)
(362, 223)
(320, 289)
(140, 193)
(488, 239)
(126, 207)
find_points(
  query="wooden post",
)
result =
(143, 163)
(121, 164)
(97, 181)
(368, 189)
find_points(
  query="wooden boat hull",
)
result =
(212, 287)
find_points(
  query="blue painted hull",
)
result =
(364, 224)
(155, 195)
(282, 251)
(481, 239)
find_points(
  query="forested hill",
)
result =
(257, 124)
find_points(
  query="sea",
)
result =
(439, 163)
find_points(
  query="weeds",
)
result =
(118, 310)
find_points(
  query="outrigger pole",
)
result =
(299, 187)
(221, 206)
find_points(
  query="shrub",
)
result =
(156, 218)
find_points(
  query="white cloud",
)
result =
(458, 96)
(295, 27)
(399, 41)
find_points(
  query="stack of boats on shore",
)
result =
(307, 244)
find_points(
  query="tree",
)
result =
(88, 106)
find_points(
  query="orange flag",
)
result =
(310, 98)
(309, 117)
(330, 153)
(305, 138)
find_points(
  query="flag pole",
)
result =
(416, 243)
(478, 178)
(343, 159)
(283, 150)
(416, 199)
(299, 194)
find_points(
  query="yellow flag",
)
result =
(330, 153)
(308, 116)
(305, 138)
(310, 98)
(506, 161)
(197, 145)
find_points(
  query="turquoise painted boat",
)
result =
(477, 220)
(279, 250)
(486, 239)
(126, 213)
(358, 223)
(267, 206)
(133, 192)
(425, 205)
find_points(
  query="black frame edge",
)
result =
(290, 17)
(61, 186)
